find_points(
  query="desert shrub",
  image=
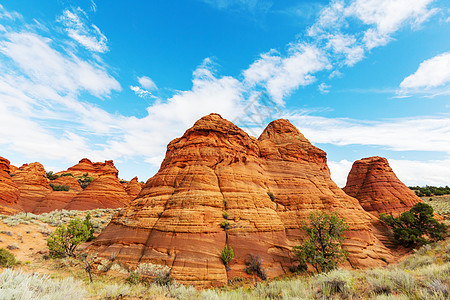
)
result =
(51, 176)
(7, 259)
(67, 174)
(416, 226)
(66, 239)
(438, 288)
(323, 246)
(227, 255)
(271, 196)
(60, 187)
(337, 282)
(254, 266)
(225, 215)
(85, 180)
(387, 281)
(225, 225)
(19, 285)
(159, 274)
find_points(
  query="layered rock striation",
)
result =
(9, 192)
(105, 191)
(217, 185)
(373, 182)
(33, 185)
(133, 188)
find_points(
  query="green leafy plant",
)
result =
(7, 259)
(67, 174)
(66, 239)
(58, 187)
(225, 215)
(322, 247)
(416, 226)
(51, 176)
(226, 256)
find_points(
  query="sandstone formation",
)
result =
(9, 193)
(58, 200)
(69, 181)
(217, 185)
(93, 169)
(33, 185)
(372, 181)
(105, 191)
(133, 188)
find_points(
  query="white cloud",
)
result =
(432, 74)
(141, 92)
(339, 171)
(147, 83)
(11, 15)
(429, 134)
(46, 66)
(77, 28)
(280, 76)
(388, 16)
(412, 173)
(324, 88)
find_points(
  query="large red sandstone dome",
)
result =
(266, 186)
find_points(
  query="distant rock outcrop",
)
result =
(9, 193)
(372, 181)
(92, 169)
(105, 191)
(33, 185)
(133, 188)
(217, 185)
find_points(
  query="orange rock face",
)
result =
(217, 185)
(105, 191)
(9, 193)
(93, 169)
(372, 181)
(133, 188)
(58, 200)
(33, 185)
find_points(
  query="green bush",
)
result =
(85, 180)
(7, 259)
(323, 246)
(58, 187)
(416, 226)
(254, 266)
(67, 174)
(65, 240)
(225, 225)
(51, 176)
(227, 255)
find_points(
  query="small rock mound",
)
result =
(373, 182)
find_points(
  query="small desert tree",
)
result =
(322, 247)
(226, 256)
(413, 226)
(66, 239)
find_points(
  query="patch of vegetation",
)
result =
(66, 239)
(271, 195)
(323, 246)
(416, 226)
(67, 174)
(254, 266)
(225, 215)
(85, 180)
(430, 190)
(225, 225)
(50, 175)
(226, 256)
(60, 187)
(7, 259)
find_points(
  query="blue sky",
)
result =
(120, 79)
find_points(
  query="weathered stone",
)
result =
(9, 193)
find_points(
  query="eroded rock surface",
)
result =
(105, 191)
(33, 185)
(372, 181)
(133, 188)
(94, 169)
(9, 193)
(217, 185)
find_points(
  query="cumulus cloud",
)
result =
(432, 77)
(78, 28)
(339, 171)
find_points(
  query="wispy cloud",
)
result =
(431, 78)
(254, 6)
(79, 28)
